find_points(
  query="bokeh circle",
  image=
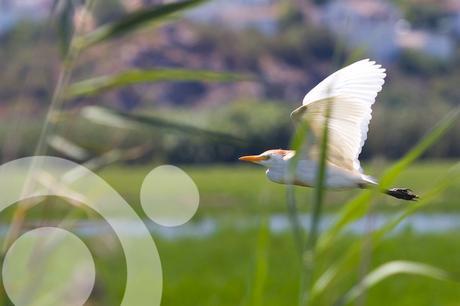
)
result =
(48, 266)
(169, 196)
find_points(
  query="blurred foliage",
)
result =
(421, 65)
(256, 123)
(425, 14)
(133, 21)
(418, 93)
(108, 10)
(104, 83)
(251, 131)
(65, 11)
(286, 64)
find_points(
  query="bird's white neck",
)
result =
(278, 170)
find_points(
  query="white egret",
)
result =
(347, 95)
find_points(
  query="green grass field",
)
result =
(233, 265)
(244, 189)
(222, 269)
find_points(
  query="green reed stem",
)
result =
(318, 198)
(40, 149)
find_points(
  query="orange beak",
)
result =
(253, 158)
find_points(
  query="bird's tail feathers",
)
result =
(369, 179)
(402, 193)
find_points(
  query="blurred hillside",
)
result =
(287, 46)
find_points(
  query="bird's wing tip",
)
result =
(298, 112)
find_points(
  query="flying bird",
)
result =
(343, 100)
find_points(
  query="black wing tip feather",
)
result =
(403, 194)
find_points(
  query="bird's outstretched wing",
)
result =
(350, 93)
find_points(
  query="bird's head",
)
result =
(269, 158)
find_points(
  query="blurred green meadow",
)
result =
(231, 266)
(246, 259)
(240, 261)
(239, 189)
(227, 272)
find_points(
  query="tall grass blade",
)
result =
(298, 140)
(132, 120)
(439, 130)
(53, 110)
(352, 256)
(358, 207)
(134, 21)
(390, 269)
(101, 161)
(452, 177)
(67, 147)
(104, 83)
(310, 252)
(261, 262)
(297, 144)
(66, 25)
(104, 116)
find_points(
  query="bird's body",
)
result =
(306, 172)
(343, 100)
